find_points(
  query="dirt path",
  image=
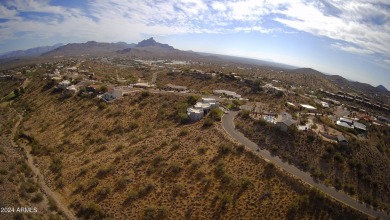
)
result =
(53, 195)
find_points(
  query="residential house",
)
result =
(64, 84)
(213, 103)
(195, 114)
(201, 108)
(285, 124)
(142, 85)
(112, 94)
(349, 123)
(227, 93)
(73, 89)
(309, 108)
(342, 140)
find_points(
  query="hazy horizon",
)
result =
(350, 39)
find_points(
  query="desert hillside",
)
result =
(132, 159)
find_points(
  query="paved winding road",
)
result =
(228, 125)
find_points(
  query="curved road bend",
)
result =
(228, 125)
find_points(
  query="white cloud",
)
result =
(351, 49)
(219, 6)
(363, 26)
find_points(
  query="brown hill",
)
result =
(88, 48)
(131, 159)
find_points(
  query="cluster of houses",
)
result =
(201, 108)
(358, 99)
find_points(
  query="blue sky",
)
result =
(348, 38)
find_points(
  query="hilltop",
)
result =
(37, 51)
(88, 48)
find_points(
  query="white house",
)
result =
(64, 84)
(213, 103)
(324, 104)
(309, 108)
(73, 89)
(227, 93)
(201, 108)
(112, 94)
(195, 114)
(142, 85)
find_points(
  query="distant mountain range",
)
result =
(351, 85)
(149, 48)
(88, 48)
(36, 51)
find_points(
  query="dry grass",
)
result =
(356, 168)
(132, 165)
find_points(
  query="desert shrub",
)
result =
(92, 211)
(102, 193)
(225, 199)
(52, 204)
(146, 189)
(216, 114)
(202, 150)
(137, 113)
(244, 114)
(56, 164)
(92, 183)
(240, 149)
(194, 165)
(208, 122)
(183, 133)
(100, 149)
(177, 189)
(183, 118)
(245, 183)
(174, 169)
(153, 213)
(269, 170)
(37, 198)
(119, 147)
(145, 94)
(207, 182)
(104, 172)
(29, 186)
(220, 169)
(191, 100)
(133, 125)
(3, 171)
(157, 160)
(225, 149)
(131, 196)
